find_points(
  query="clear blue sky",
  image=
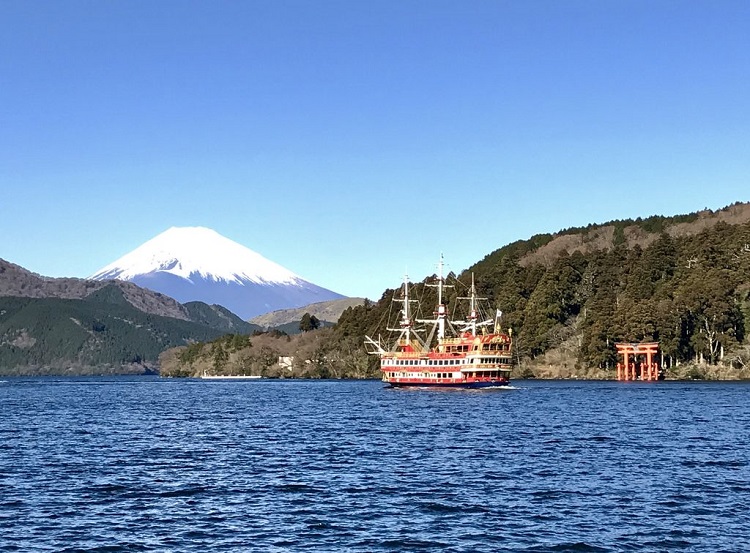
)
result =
(350, 140)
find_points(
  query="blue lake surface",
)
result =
(149, 464)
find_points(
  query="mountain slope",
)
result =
(102, 333)
(328, 311)
(198, 264)
(82, 326)
(17, 281)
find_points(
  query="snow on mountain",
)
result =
(199, 264)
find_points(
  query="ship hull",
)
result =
(452, 385)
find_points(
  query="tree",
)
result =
(309, 322)
(713, 311)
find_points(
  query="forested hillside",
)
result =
(102, 333)
(78, 326)
(682, 281)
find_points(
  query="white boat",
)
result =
(206, 376)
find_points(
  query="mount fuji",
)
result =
(199, 264)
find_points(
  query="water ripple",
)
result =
(179, 465)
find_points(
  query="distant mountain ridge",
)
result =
(78, 326)
(328, 311)
(199, 264)
(17, 281)
(642, 232)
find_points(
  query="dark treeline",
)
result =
(89, 336)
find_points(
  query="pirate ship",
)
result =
(469, 353)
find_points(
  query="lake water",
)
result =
(149, 464)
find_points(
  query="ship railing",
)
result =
(485, 366)
(405, 355)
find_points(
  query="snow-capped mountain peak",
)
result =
(199, 264)
(197, 251)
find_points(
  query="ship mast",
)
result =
(440, 314)
(408, 337)
(473, 307)
(441, 305)
(405, 323)
(472, 321)
(406, 330)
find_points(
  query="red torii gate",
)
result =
(632, 371)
